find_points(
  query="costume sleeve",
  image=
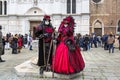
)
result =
(58, 39)
(38, 31)
(61, 27)
(69, 31)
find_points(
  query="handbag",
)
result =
(71, 47)
(70, 44)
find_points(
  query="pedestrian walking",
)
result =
(30, 42)
(25, 40)
(86, 42)
(14, 43)
(8, 35)
(119, 41)
(95, 39)
(3, 41)
(19, 43)
(1, 45)
(110, 41)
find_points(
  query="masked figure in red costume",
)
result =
(44, 33)
(67, 58)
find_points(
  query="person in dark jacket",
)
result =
(95, 39)
(1, 45)
(81, 42)
(3, 41)
(119, 41)
(91, 41)
(25, 41)
(14, 44)
(86, 42)
(104, 39)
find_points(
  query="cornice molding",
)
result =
(16, 15)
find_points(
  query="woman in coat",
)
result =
(14, 42)
(20, 44)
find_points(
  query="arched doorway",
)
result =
(118, 29)
(33, 24)
(98, 28)
(34, 21)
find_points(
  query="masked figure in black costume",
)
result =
(44, 33)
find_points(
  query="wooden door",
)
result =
(98, 31)
(33, 24)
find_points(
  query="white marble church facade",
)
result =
(20, 16)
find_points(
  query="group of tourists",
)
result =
(15, 42)
(109, 41)
(106, 41)
(86, 41)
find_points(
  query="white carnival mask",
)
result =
(65, 25)
(46, 22)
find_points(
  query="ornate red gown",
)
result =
(65, 61)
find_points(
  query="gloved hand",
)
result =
(68, 42)
(54, 41)
(41, 36)
(45, 35)
(68, 31)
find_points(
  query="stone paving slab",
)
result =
(99, 65)
(30, 69)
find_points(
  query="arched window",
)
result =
(118, 26)
(98, 24)
(98, 28)
(5, 7)
(0, 7)
(96, 1)
(71, 6)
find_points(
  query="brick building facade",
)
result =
(105, 16)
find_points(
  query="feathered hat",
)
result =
(46, 17)
(71, 21)
(66, 21)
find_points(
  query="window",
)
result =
(5, 7)
(35, 12)
(71, 6)
(96, 1)
(68, 6)
(0, 7)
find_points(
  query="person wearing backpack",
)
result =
(110, 41)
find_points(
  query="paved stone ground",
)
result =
(100, 65)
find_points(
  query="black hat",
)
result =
(0, 27)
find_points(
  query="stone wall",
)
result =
(107, 12)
